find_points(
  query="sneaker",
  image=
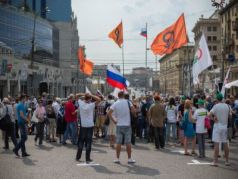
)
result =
(25, 155)
(117, 161)
(16, 152)
(214, 164)
(89, 161)
(130, 161)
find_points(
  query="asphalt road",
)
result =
(55, 161)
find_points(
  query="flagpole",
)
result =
(146, 39)
(123, 61)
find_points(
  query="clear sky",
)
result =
(96, 18)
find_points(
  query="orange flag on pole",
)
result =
(171, 38)
(81, 57)
(86, 66)
(117, 35)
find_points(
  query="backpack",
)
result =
(144, 109)
(6, 122)
(50, 111)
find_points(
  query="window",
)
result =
(215, 48)
(209, 47)
(214, 38)
(209, 29)
(214, 29)
(237, 48)
(214, 57)
(209, 38)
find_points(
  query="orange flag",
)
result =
(171, 38)
(81, 57)
(86, 66)
(117, 35)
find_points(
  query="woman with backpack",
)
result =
(171, 120)
(40, 114)
(61, 124)
(8, 122)
(50, 113)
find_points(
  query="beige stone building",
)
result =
(175, 72)
(211, 28)
(229, 36)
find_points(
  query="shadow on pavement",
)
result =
(28, 161)
(141, 170)
(43, 147)
(102, 169)
(7, 152)
(139, 147)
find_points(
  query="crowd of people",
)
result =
(123, 120)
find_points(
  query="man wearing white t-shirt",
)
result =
(86, 111)
(121, 117)
(200, 115)
(221, 112)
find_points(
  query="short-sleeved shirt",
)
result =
(181, 109)
(171, 113)
(200, 115)
(69, 109)
(21, 108)
(221, 111)
(86, 111)
(121, 112)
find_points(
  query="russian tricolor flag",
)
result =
(143, 32)
(115, 78)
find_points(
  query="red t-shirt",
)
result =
(69, 109)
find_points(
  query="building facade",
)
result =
(229, 36)
(42, 52)
(68, 59)
(42, 6)
(175, 72)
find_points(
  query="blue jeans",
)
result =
(21, 144)
(123, 132)
(85, 138)
(71, 129)
(201, 144)
(168, 127)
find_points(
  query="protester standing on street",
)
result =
(40, 115)
(22, 120)
(171, 120)
(199, 116)
(86, 110)
(51, 116)
(120, 114)
(71, 120)
(112, 126)
(221, 112)
(189, 132)
(10, 128)
(157, 115)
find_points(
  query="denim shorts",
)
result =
(123, 131)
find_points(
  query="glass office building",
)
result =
(55, 6)
(17, 31)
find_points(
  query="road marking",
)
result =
(178, 151)
(87, 164)
(196, 162)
